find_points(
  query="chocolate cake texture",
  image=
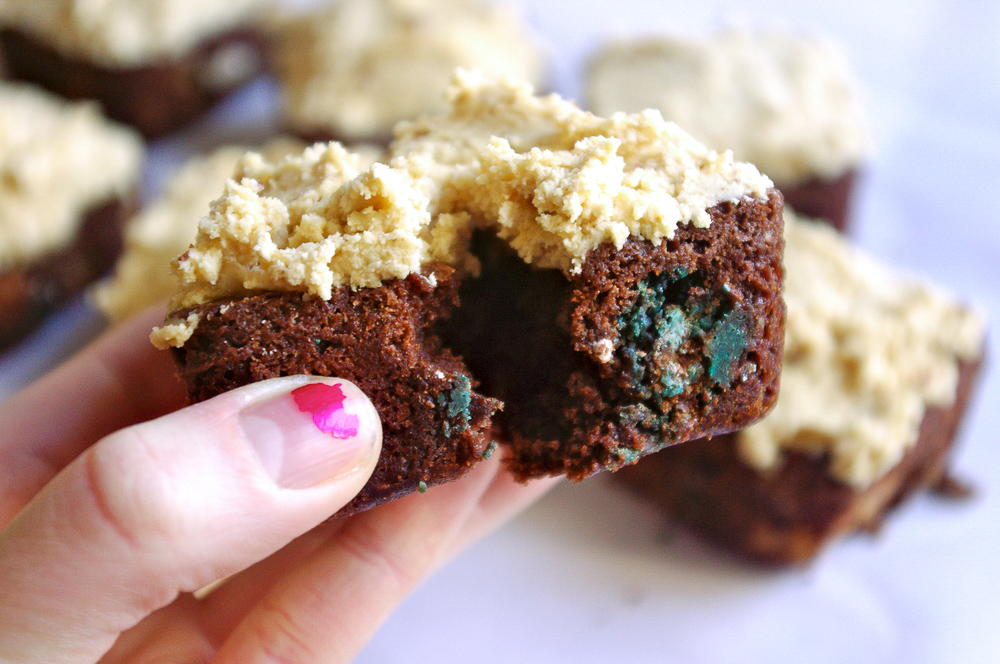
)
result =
(435, 424)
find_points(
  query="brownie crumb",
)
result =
(953, 488)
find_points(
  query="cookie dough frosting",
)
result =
(57, 161)
(785, 102)
(867, 351)
(357, 66)
(127, 33)
(554, 180)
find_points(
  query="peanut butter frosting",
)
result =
(558, 181)
(127, 33)
(555, 181)
(355, 67)
(58, 160)
(309, 223)
(867, 351)
(784, 102)
(167, 227)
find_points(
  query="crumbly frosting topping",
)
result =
(558, 181)
(554, 180)
(784, 102)
(57, 161)
(358, 66)
(867, 351)
(311, 223)
(167, 227)
(123, 33)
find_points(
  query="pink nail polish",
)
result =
(326, 405)
(312, 433)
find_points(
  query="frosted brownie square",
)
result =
(610, 283)
(69, 179)
(786, 102)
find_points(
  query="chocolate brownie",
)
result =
(350, 70)
(785, 102)
(153, 65)
(435, 424)
(825, 199)
(878, 371)
(622, 292)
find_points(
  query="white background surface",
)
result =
(590, 574)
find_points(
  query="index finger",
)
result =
(117, 381)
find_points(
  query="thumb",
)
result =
(174, 504)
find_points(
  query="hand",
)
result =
(117, 505)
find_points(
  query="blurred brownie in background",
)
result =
(350, 70)
(153, 64)
(67, 183)
(785, 102)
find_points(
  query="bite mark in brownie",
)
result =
(649, 346)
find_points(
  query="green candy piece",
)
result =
(455, 403)
(726, 342)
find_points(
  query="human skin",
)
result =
(121, 509)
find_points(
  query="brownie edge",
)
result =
(435, 425)
(29, 293)
(825, 199)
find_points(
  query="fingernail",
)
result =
(314, 433)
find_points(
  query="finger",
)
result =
(327, 608)
(119, 380)
(502, 501)
(228, 605)
(174, 504)
(171, 635)
(183, 631)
